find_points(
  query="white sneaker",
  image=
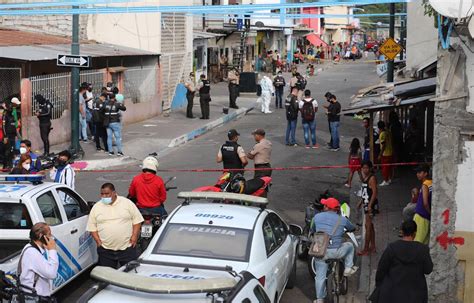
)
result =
(384, 183)
(350, 271)
(318, 301)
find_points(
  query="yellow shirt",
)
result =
(386, 138)
(114, 222)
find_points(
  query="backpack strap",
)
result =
(19, 268)
(336, 226)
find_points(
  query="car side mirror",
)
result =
(296, 230)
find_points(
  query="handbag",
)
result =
(321, 240)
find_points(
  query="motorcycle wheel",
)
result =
(303, 247)
(311, 267)
(143, 244)
(331, 296)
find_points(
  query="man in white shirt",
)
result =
(39, 263)
(62, 171)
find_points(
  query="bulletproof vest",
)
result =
(230, 157)
(206, 88)
(279, 81)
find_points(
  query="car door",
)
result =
(54, 215)
(82, 245)
(281, 255)
(273, 266)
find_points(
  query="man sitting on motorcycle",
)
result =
(325, 222)
(148, 189)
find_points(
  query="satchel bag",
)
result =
(321, 240)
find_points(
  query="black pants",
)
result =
(100, 133)
(189, 108)
(233, 94)
(45, 129)
(9, 151)
(263, 173)
(116, 258)
(204, 101)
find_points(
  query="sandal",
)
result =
(363, 253)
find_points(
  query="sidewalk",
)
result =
(161, 134)
(392, 200)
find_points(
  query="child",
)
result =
(355, 159)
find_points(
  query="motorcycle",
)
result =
(152, 221)
(236, 183)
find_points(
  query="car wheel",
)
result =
(303, 248)
(311, 267)
(292, 278)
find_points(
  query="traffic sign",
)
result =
(73, 61)
(390, 49)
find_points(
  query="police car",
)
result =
(26, 200)
(226, 230)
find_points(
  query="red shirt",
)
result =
(148, 189)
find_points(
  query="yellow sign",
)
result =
(390, 49)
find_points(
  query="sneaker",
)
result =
(318, 301)
(120, 154)
(111, 153)
(99, 149)
(347, 185)
(335, 149)
(315, 146)
(350, 271)
(307, 147)
(294, 144)
(384, 183)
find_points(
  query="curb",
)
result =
(107, 163)
(208, 127)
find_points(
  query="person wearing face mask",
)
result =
(63, 172)
(39, 263)
(114, 223)
(25, 149)
(23, 167)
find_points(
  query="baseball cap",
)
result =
(331, 203)
(15, 101)
(232, 133)
(259, 131)
(423, 168)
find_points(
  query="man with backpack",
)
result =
(291, 107)
(308, 107)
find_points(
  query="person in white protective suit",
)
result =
(267, 91)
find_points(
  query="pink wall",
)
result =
(315, 23)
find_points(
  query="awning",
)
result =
(205, 35)
(315, 39)
(380, 107)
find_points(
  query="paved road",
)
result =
(291, 191)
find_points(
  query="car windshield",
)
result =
(200, 241)
(14, 216)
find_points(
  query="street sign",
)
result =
(390, 49)
(73, 61)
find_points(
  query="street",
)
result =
(290, 192)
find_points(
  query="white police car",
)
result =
(220, 232)
(24, 201)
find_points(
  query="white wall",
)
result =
(465, 190)
(422, 37)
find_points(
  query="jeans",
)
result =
(335, 133)
(309, 127)
(114, 128)
(346, 252)
(155, 210)
(278, 98)
(83, 128)
(290, 132)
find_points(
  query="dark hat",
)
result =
(423, 168)
(110, 84)
(259, 131)
(232, 134)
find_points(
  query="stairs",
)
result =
(239, 55)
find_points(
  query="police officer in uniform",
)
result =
(204, 88)
(279, 83)
(234, 79)
(231, 153)
(44, 114)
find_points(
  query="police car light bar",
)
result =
(35, 179)
(257, 201)
(158, 285)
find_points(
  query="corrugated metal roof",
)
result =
(50, 51)
(205, 35)
(11, 37)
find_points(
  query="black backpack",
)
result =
(307, 111)
(291, 108)
(301, 83)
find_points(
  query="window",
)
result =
(269, 237)
(198, 55)
(73, 204)
(202, 241)
(14, 216)
(49, 209)
(260, 294)
(279, 228)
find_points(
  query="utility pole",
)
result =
(75, 147)
(403, 32)
(390, 63)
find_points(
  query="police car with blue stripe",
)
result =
(26, 200)
(209, 229)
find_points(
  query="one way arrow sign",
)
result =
(73, 61)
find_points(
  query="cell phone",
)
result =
(43, 240)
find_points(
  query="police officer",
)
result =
(189, 84)
(44, 114)
(279, 83)
(234, 80)
(204, 88)
(231, 153)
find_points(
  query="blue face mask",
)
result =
(106, 200)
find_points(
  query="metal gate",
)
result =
(10, 82)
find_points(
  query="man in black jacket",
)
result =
(111, 111)
(98, 119)
(9, 133)
(402, 268)
(204, 88)
(44, 114)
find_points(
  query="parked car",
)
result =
(26, 200)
